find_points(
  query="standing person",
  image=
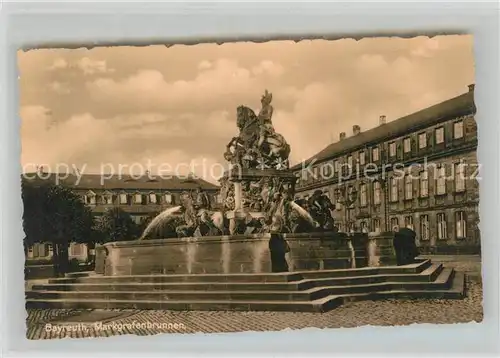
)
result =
(278, 247)
(405, 246)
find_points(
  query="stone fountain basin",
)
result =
(235, 254)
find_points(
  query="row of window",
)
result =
(124, 198)
(458, 133)
(327, 170)
(408, 182)
(45, 250)
(441, 227)
(425, 230)
(423, 183)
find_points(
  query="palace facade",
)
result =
(419, 171)
(141, 197)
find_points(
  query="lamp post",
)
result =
(346, 196)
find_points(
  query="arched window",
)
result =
(394, 189)
(394, 223)
(461, 224)
(364, 226)
(409, 222)
(441, 226)
(441, 181)
(376, 193)
(362, 195)
(424, 184)
(424, 227)
(408, 187)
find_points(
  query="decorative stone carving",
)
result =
(258, 146)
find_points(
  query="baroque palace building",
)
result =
(140, 196)
(419, 171)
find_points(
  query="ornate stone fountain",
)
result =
(259, 185)
(257, 189)
(257, 193)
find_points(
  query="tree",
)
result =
(55, 214)
(117, 225)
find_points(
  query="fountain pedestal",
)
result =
(253, 191)
(243, 254)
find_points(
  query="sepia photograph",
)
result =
(245, 186)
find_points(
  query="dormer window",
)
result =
(439, 134)
(458, 129)
(422, 140)
(123, 198)
(90, 198)
(392, 149)
(137, 198)
(168, 198)
(407, 145)
(375, 154)
(107, 198)
(362, 158)
(152, 198)
(349, 162)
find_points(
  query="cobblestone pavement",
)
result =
(470, 264)
(50, 324)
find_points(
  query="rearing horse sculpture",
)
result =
(271, 151)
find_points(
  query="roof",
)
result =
(457, 106)
(146, 182)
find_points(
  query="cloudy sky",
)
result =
(125, 105)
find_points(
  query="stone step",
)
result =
(327, 263)
(427, 275)
(80, 274)
(364, 271)
(442, 282)
(257, 277)
(456, 291)
(171, 305)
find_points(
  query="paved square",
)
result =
(43, 324)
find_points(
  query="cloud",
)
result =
(268, 67)
(90, 67)
(427, 48)
(155, 139)
(224, 85)
(59, 87)
(58, 64)
(179, 103)
(204, 65)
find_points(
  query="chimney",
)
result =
(342, 136)
(471, 87)
(356, 129)
(382, 119)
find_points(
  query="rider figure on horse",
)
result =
(265, 118)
